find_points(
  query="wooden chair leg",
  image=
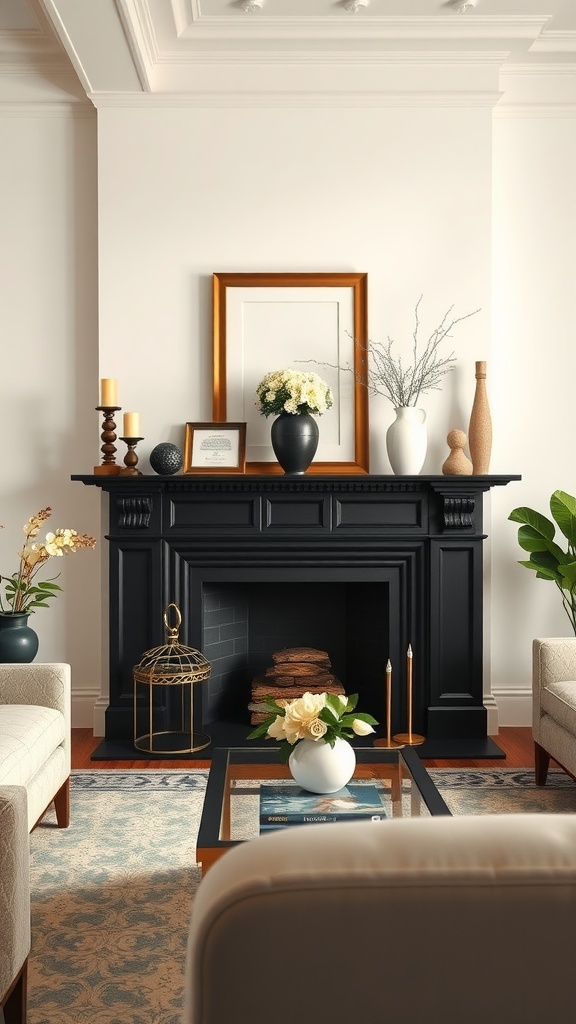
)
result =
(15, 1005)
(541, 762)
(62, 805)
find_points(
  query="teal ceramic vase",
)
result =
(18, 641)
(294, 440)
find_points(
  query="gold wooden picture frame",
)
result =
(258, 321)
(215, 448)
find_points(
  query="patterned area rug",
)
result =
(111, 899)
(504, 791)
(111, 895)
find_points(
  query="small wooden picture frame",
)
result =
(215, 448)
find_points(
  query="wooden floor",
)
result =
(515, 742)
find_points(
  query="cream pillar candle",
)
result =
(108, 392)
(131, 424)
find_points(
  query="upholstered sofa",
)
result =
(418, 920)
(554, 704)
(14, 902)
(35, 736)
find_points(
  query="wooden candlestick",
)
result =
(388, 742)
(131, 459)
(108, 436)
(411, 739)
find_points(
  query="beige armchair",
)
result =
(14, 903)
(554, 704)
(35, 736)
(402, 920)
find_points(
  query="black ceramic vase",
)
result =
(18, 641)
(294, 440)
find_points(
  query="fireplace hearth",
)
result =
(359, 566)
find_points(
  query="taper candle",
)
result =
(108, 392)
(131, 424)
(388, 699)
(409, 679)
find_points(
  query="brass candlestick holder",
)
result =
(387, 742)
(108, 436)
(131, 459)
(409, 739)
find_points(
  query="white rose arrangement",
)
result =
(295, 392)
(313, 716)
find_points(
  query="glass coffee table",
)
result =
(231, 812)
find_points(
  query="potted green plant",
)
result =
(547, 559)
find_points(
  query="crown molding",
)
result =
(535, 110)
(11, 108)
(459, 58)
(555, 41)
(296, 99)
(449, 26)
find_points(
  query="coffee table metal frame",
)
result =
(232, 764)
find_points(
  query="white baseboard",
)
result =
(505, 707)
(514, 706)
(83, 702)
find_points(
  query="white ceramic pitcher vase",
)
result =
(407, 441)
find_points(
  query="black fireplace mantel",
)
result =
(424, 534)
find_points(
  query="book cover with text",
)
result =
(292, 805)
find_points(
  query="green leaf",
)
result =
(528, 517)
(276, 708)
(261, 729)
(544, 565)
(333, 710)
(563, 509)
(531, 540)
(568, 572)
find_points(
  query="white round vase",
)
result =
(320, 768)
(407, 441)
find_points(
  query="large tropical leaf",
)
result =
(531, 540)
(545, 566)
(538, 522)
(568, 572)
(563, 509)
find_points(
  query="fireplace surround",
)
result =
(360, 566)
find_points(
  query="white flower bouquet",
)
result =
(313, 716)
(294, 392)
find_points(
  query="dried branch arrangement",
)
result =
(385, 374)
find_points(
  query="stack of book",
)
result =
(281, 806)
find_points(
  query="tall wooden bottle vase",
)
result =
(480, 428)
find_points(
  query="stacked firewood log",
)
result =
(294, 671)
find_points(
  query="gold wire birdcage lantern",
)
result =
(160, 671)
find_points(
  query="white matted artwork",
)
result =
(267, 322)
(215, 448)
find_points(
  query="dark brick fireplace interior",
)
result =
(244, 623)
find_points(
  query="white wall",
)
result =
(446, 201)
(534, 365)
(402, 194)
(48, 338)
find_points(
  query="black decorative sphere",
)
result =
(166, 458)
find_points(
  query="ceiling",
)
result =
(161, 46)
